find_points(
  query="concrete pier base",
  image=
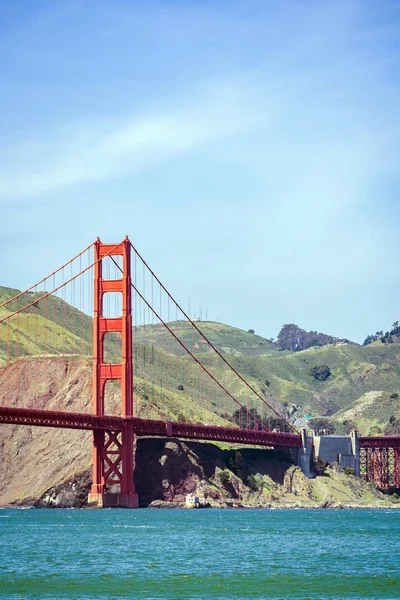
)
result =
(304, 454)
(355, 447)
(108, 500)
(343, 449)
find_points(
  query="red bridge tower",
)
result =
(113, 483)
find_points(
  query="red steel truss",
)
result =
(110, 426)
(50, 418)
(380, 460)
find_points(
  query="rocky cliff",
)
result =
(168, 469)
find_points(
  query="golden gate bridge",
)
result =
(154, 372)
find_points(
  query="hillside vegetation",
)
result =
(291, 337)
(344, 382)
(47, 327)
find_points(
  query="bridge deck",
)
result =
(380, 441)
(146, 427)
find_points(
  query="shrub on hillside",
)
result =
(348, 426)
(320, 372)
(292, 337)
(252, 482)
(322, 425)
(236, 464)
(251, 331)
(375, 430)
(319, 466)
(224, 478)
(393, 427)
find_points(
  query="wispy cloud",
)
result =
(95, 150)
(313, 119)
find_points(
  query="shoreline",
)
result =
(163, 505)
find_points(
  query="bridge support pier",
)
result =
(113, 466)
(355, 448)
(304, 454)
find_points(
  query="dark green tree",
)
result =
(320, 372)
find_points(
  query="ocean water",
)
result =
(200, 554)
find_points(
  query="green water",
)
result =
(224, 554)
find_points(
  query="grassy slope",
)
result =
(56, 328)
(47, 327)
(356, 370)
(372, 410)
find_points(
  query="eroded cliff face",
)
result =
(34, 458)
(167, 470)
(247, 477)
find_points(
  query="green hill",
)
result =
(354, 369)
(284, 378)
(46, 327)
(374, 413)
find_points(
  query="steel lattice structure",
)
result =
(380, 461)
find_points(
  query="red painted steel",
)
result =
(392, 441)
(52, 418)
(380, 460)
(113, 436)
(113, 449)
(143, 427)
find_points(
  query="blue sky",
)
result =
(249, 150)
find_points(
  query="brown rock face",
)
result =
(295, 483)
(169, 469)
